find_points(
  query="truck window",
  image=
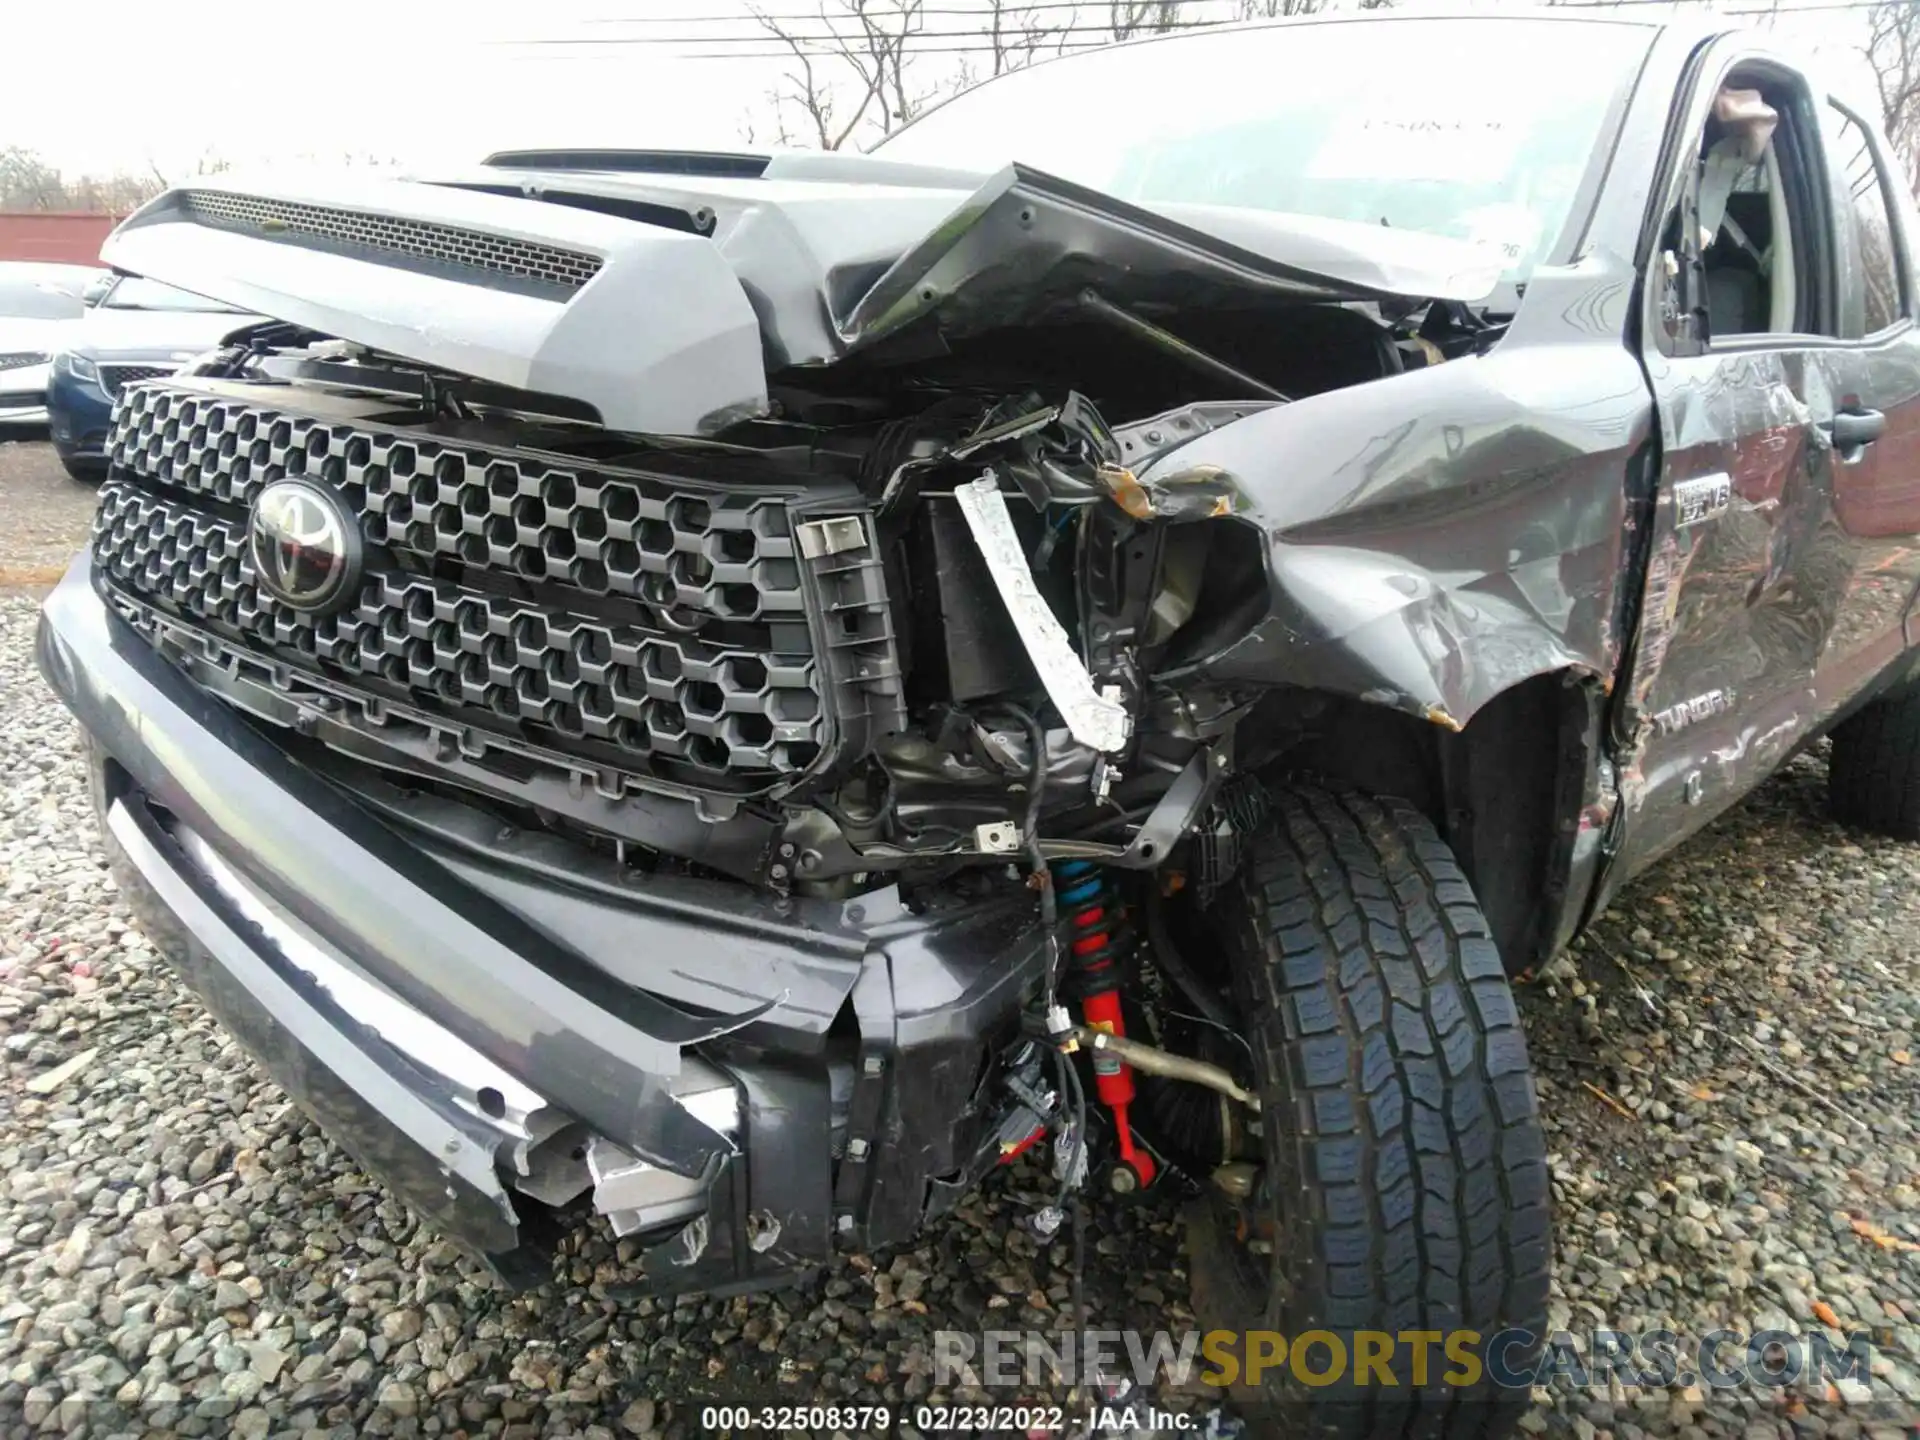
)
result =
(1756, 231)
(1868, 216)
(1744, 253)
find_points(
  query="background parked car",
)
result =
(40, 310)
(135, 330)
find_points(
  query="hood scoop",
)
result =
(647, 325)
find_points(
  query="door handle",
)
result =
(1851, 429)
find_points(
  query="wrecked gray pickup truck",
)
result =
(741, 693)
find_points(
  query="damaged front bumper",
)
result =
(501, 1034)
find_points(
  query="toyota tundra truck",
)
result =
(729, 696)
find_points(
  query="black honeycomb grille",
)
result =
(115, 378)
(393, 237)
(696, 558)
(585, 684)
(626, 622)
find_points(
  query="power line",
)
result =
(1808, 9)
(1064, 39)
(1817, 6)
(953, 43)
(1016, 13)
(763, 37)
(1010, 12)
(1071, 47)
(1016, 37)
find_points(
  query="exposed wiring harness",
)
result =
(1038, 875)
(1072, 1167)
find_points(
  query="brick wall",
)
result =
(54, 235)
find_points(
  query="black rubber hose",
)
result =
(1077, 1212)
(1037, 863)
(1036, 774)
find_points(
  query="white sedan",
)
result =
(40, 310)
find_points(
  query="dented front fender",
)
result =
(1436, 537)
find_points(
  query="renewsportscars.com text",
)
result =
(1416, 1359)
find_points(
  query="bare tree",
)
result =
(853, 77)
(853, 70)
(1128, 18)
(1893, 52)
(1275, 9)
(1016, 33)
(1279, 9)
(208, 162)
(29, 182)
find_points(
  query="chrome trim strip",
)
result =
(632, 1193)
(466, 1072)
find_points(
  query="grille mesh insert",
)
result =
(115, 378)
(697, 558)
(393, 236)
(668, 636)
(573, 680)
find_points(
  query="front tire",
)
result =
(87, 472)
(1404, 1184)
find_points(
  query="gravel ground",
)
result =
(1726, 1065)
(43, 514)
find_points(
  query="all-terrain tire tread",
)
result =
(1413, 1120)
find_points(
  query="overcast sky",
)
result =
(122, 85)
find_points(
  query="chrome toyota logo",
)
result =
(306, 546)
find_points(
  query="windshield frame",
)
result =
(1582, 200)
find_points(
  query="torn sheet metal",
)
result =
(1054, 454)
(635, 1195)
(1094, 719)
(1144, 441)
(1198, 492)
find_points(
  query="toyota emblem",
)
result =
(306, 546)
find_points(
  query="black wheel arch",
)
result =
(1519, 792)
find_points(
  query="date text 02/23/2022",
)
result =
(935, 1419)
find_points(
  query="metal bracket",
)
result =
(1095, 720)
(1144, 441)
(820, 538)
(1170, 820)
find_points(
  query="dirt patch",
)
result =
(44, 514)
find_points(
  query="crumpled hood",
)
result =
(662, 290)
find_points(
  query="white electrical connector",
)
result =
(1105, 773)
(1000, 837)
(1060, 1027)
